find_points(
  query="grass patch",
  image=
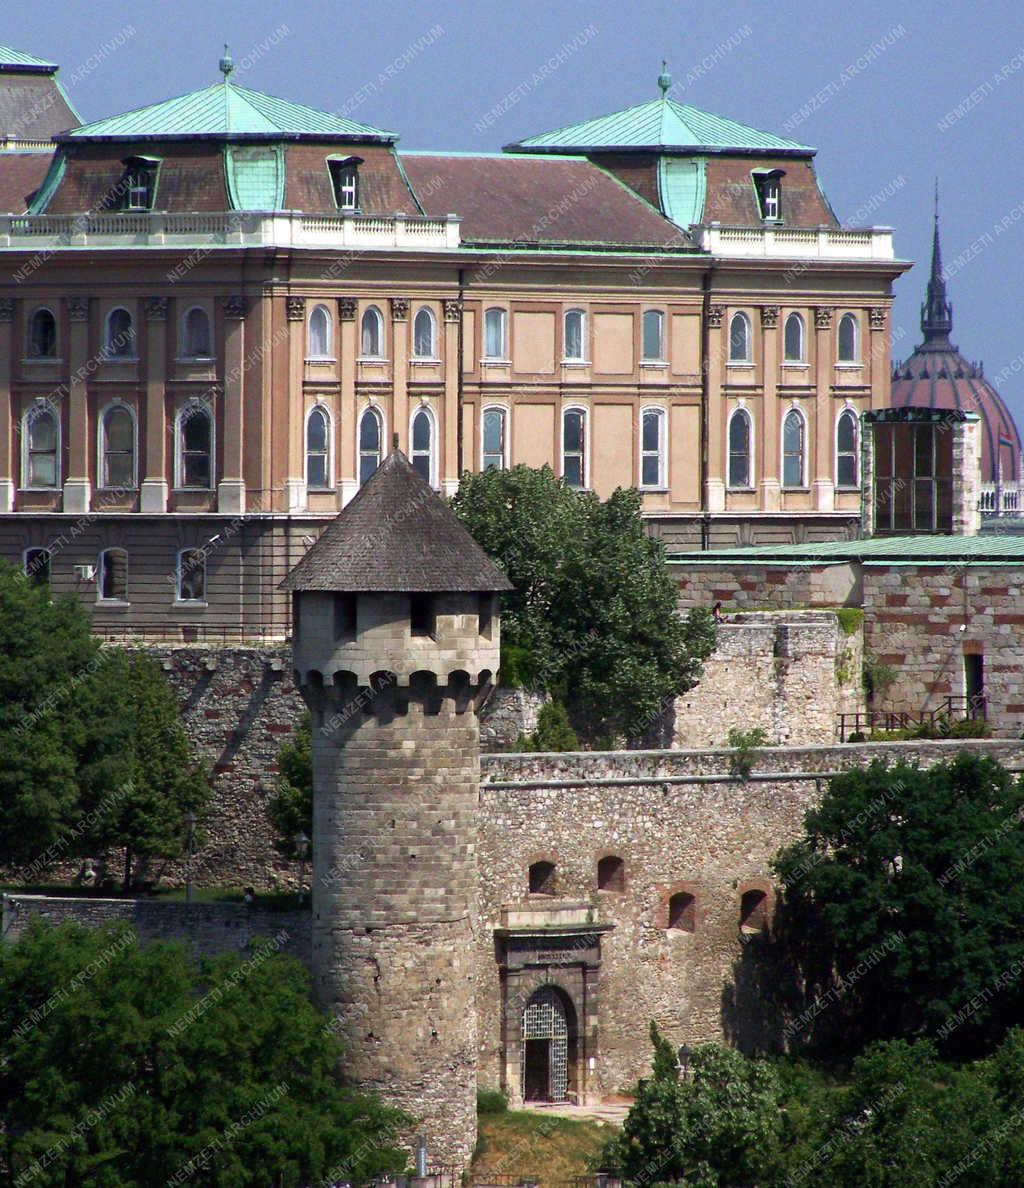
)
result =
(850, 618)
(541, 1147)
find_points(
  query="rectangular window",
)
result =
(344, 618)
(495, 334)
(573, 448)
(345, 182)
(192, 575)
(653, 335)
(650, 449)
(494, 439)
(422, 616)
(485, 615)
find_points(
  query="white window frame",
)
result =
(38, 408)
(801, 361)
(851, 412)
(183, 352)
(190, 407)
(661, 453)
(660, 357)
(804, 442)
(583, 356)
(382, 422)
(374, 312)
(432, 452)
(431, 356)
(319, 407)
(132, 355)
(740, 410)
(101, 450)
(99, 577)
(503, 357)
(585, 455)
(748, 358)
(327, 354)
(855, 361)
(179, 601)
(506, 429)
(55, 357)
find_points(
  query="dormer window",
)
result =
(137, 187)
(345, 181)
(768, 183)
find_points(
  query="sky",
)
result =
(892, 95)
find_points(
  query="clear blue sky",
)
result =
(876, 84)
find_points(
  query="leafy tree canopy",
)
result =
(593, 614)
(290, 808)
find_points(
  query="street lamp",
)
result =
(683, 1061)
(302, 849)
(190, 821)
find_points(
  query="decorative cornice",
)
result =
(6, 309)
(78, 309)
(296, 308)
(399, 308)
(347, 307)
(452, 309)
(769, 316)
(155, 308)
(876, 316)
(823, 317)
(715, 315)
(233, 307)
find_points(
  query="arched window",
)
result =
(371, 433)
(793, 347)
(541, 878)
(753, 911)
(192, 575)
(112, 576)
(424, 334)
(847, 467)
(652, 447)
(37, 566)
(117, 447)
(421, 435)
(41, 437)
(574, 447)
(195, 447)
(682, 912)
(848, 339)
(319, 344)
(119, 342)
(42, 335)
(611, 873)
(372, 336)
(739, 338)
(494, 456)
(318, 448)
(195, 334)
(653, 337)
(793, 437)
(496, 334)
(575, 334)
(739, 449)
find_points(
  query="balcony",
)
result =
(1002, 499)
(796, 243)
(231, 229)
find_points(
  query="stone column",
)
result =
(154, 489)
(824, 481)
(400, 371)
(448, 461)
(866, 440)
(231, 488)
(967, 475)
(9, 464)
(77, 487)
(714, 487)
(346, 464)
(295, 480)
(769, 468)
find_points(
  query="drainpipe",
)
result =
(705, 341)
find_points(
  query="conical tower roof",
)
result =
(397, 535)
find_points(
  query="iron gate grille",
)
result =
(544, 1018)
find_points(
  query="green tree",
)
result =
(139, 780)
(902, 905)
(290, 808)
(718, 1127)
(124, 1066)
(593, 612)
(554, 730)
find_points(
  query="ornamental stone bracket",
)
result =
(823, 317)
(452, 309)
(769, 316)
(296, 308)
(155, 309)
(347, 308)
(233, 307)
(78, 309)
(715, 315)
(876, 317)
(6, 309)
(399, 308)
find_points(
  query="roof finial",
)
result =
(936, 200)
(664, 79)
(226, 63)
(937, 311)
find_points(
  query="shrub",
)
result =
(491, 1101)
(554, 731)
(850, 619)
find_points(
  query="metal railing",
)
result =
(1001, 499)
(956, 708)
(807, 243)
(186, 633)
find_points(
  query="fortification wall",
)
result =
(745, 586)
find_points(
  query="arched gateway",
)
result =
(548, 1055)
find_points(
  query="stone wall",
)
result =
(745, 585)
(789, 673)
(507, 714)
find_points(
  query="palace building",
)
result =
(218, 312)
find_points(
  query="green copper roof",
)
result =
(225, 111)
(682, 185)
(661, 124)
(1000, 548)
(12, 59)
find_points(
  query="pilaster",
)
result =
(824, 484)
(154, 489)
(400, 370)
(295, 480)
(769, 437)
(231, 488)
(714, 486)
(449, 462)
(345, 463)
(8, 462)
(77, 485)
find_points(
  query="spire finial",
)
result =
(937, 311)
(936, 200)
(226, 64)
(664, 79)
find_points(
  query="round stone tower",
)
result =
(396, 641)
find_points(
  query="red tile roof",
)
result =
(21, 174)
